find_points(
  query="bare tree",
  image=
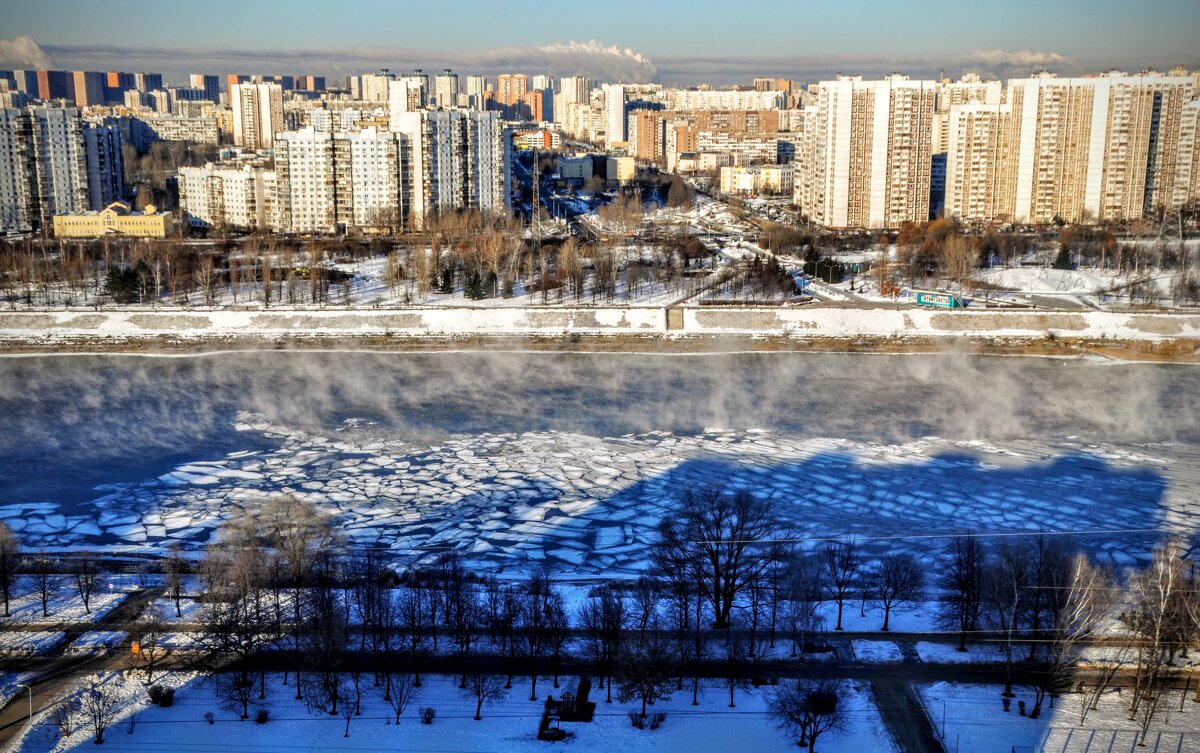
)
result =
(895, 579)
(297, 530)
(1006, 588)
(10, 559)
(804, 597)
(602, 620)
(175, 567)
(484, 689)
(45, 579)
(1159, 618)
(149, 630)
(809, 709)
(86, 573)
(841, 562)
(646, 669)
(403, 692)
(1089, 597)
(962, 587)
(99, 705)
(734, 535)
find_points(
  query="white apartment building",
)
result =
(979, 183)
(375, 87)
(15, 200)
(1187, 162)
(445, 89)
(406, 94)
(306, 197)
(1096, 148)
(867, 153)
(457, 159)
(257, 114)
(756, 179)
(615, 115)
(57, 163)
(477, 92)
(214, 196)
(688, 100)
(969, 90)
(368, 178)
(574, 89)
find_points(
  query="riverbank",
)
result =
(1149, 336)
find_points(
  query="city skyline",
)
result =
(707, 41)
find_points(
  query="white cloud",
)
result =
(1016, 58)
(23, 52)
(591, 58)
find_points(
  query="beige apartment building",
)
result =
(1096, 148)
(866, 152)
(257, 114)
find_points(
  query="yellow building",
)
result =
(621, 169)
(114, 219)
(756, 179)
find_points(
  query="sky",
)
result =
(669, 41)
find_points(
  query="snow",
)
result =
(588, 505)
(975, 722)
(877, 652)
(509, 725)
(948, 653)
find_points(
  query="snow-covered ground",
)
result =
(65, 603)
(509, 725)
(877, 652)
(948, 653)
(975, 722)
(10, 685)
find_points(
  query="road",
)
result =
(59, 670)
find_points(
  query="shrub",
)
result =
(168, 698)
(208, 717)
(262, 717)
(656, 719)
(635, 719)
(427, 714)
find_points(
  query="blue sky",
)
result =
(698, 39)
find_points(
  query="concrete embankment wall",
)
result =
(803, 322)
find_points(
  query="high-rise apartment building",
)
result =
(87, 88)
(1096, 148)
(257, 114)
(969, 90)
(866, 155)
(477, 92)
(232, 197)
(457, 159)
(445, 89)
(709, 99)
(575, 88)
(368, 177)
(407, 94)
(980, 185)
(145, 82)
(374, 87)
(306, 196)
(209, 84)
(615, 123)
(15, 200)
(511, 88)
(105, 168)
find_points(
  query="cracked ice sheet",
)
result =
(588, 505)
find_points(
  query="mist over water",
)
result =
(71, 423)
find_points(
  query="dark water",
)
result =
(70, 423)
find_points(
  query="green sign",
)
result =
(938, 300)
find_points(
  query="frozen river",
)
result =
(572, 458)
